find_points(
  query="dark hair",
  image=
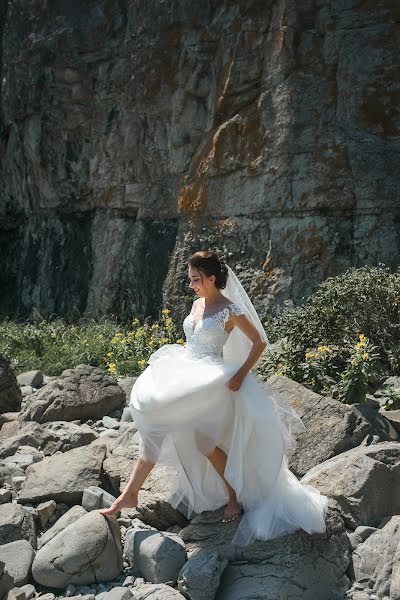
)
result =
(211, 264)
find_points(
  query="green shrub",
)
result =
(52, 346)
(316, 343)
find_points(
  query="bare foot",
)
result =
(232, 510)
(123, 501)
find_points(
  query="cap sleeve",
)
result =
(235, 309)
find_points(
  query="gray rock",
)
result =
(376, 561)
(16, 523)
(44, 511)
(155, 592)
(127, 384)
(17, 559)
(63, 476)
(31, 378)
(26, 390)
(199, 578)
(29, 590)
(50, 437)
(10, 394)
(81, 393)
(48, 596)
(331, 426)
(361, 481)
(86, 551)
(95, 497)
(281, 567)
(118, 593)
(364, 531)
(110, 423)
(157, 556)
(5, 496)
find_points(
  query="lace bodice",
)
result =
(208, 336)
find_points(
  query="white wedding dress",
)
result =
(183, 408)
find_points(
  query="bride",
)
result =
(227, 434)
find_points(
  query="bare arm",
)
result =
(252, 333)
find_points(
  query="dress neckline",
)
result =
(209, 317)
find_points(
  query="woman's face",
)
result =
(199, 282)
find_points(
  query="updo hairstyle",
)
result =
(211, 264)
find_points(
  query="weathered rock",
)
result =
(63, 476)
(118, 593)
(51, 437)
(331, 426)
(10, 394)
(44, 511)
(94, 498)
(25, 456)
(155, 592)
(31, 378)
(72, 515)
(81, 393)
(87, 551)
(365, 482)
(200, 576)
(157, 556)
(5, 496)
(376, 561)
(16, 523)
(17, 558)
(295, 566)
(127, 384)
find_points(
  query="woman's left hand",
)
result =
(235, 382)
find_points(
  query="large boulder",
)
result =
(17, 558)
(10, 394)
(331, 427)
(157, 556)
(51, 437)
(376, 562)
(63, 476)
(87, 551)
(364, 481)
(72, 515)
(295, 566)
(84, 392)
(16, 523)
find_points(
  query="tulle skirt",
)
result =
(184, 409)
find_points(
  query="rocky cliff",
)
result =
(133, 133)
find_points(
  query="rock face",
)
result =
(295, 566)
(270, 129)
(365, 482)
(10, 394)
(84, 392)
(86, 551)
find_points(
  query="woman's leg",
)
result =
(218, 460)
(129, 497)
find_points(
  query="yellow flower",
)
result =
(362, 337)
(365, 356)
(165, 311)
(154, 326)
(309, 355)
(360, 346)
(279, 373)
(324, 349)
(112, 368)
(135, 322)
(353, 362)
(141, 362)
(110, 353)
(180, 341)
(164, 340)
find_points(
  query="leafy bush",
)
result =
(53, 346)
(345, 339)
